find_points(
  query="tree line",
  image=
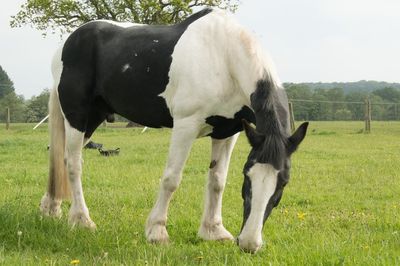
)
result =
(22, 110)
(311, 103)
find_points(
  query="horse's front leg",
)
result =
(184, 133)
(211, 226)
(79, 213)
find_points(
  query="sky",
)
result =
(309, 41)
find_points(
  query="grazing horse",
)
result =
(206, 76)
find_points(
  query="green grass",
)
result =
(344, 183)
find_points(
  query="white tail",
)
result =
(58, 186)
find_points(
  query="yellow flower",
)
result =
(301, 215)
(74, 262)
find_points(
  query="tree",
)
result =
(37, 107)
(388, 94)
(299, 92)
(16, 103)
(66, 15)
(8, 99)
(6, 84)
(356, 105)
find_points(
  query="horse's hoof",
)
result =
(249, 245)
(157, 234)
(215, 233)
(81, 219)
(50, 207)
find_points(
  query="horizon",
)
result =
(310, 42)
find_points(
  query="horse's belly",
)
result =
(151, 112)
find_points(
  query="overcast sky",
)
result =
(309, 40)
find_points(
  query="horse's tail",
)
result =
(58, 186)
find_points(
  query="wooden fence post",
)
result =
(7, 118)
(291, 115)
(367, 116)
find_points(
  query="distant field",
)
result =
(342, 205)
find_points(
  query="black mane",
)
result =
(269, 123)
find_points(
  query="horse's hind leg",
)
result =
(79, 213)
(211, 226)
(183, 134)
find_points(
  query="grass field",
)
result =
(341, 207)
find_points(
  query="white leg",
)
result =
(211, 226)
(79, 213)
(183, 134)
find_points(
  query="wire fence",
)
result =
(322, 110)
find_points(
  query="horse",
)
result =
(205, 76)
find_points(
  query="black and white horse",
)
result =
(205, 76)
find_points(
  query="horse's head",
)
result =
(266, 173)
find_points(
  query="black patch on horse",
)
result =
(225, 127)
(109, 69)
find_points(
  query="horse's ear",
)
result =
(297, 137)
(255, 138)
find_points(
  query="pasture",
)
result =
(341, 206)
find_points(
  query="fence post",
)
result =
(367, 116)
(291, 115)
(7, 118)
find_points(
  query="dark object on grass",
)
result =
(133, 124)
(109, 152)
(93, 145)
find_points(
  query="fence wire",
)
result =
(322, 110)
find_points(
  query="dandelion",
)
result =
(74, 262)
(19, 234)
(301, 215)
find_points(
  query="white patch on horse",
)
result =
(125, 67)
(56, 70)
(120, 24)
(263, 179)
(220, 42)
(186, 93)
